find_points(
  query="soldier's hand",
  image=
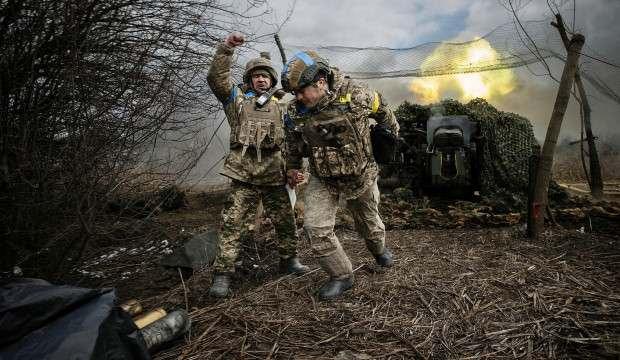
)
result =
(235, 39)
(294, 177)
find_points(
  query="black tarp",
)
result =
(39, 320)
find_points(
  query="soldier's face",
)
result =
(311, 94)
(261, 83)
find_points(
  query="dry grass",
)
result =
(452, 294)
(567, 166)
(459, 289)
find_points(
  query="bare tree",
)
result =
(595, 179)
(87, 90)
(573, 46)
(545, 162)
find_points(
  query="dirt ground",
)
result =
(464, 291)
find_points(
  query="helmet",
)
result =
(302, 70)
(261, 63)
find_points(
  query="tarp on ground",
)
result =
(39, 320)
(198, 252)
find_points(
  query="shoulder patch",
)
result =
(345, 99)
(288, 121)
(231, 98)
(376, 101)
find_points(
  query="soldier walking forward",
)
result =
(328, 122)
(255, 162)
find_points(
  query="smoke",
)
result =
(526, 94)
(464, 87)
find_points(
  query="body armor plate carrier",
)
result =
(258, 127)
(336, 145)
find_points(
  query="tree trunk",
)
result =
(543, 172)
(532, 166)
(596, 180)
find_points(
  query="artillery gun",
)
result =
(465, 151)
(436, 154)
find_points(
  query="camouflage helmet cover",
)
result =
(302, 70)
(261, 63)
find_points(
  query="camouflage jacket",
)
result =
(255, 165)
(335, 136)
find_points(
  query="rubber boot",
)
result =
(386, 259)
(340, 271)
(334, 288)
(292, 265)
(221, 285)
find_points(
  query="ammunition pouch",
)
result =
(384, 143)
(336, 148)
(338, 162)
(258, 127)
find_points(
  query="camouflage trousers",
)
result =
(320, 207)
(238, 217)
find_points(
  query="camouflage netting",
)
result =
(508, 143)
(501, 48)
(506, 46)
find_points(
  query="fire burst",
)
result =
(489, 84)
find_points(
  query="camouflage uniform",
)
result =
(255, 164)
(335, 136)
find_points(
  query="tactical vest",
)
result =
(338, 148)
(257, 127)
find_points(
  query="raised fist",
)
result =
(235, 39)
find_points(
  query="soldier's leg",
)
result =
(277, 205)
(319, 220)
(365, 212)
(235, 220)
(235, 224)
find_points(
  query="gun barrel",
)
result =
(280, 48)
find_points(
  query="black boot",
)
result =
(386, 259)
(334, 288)
(292, 265)
(221, 285)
